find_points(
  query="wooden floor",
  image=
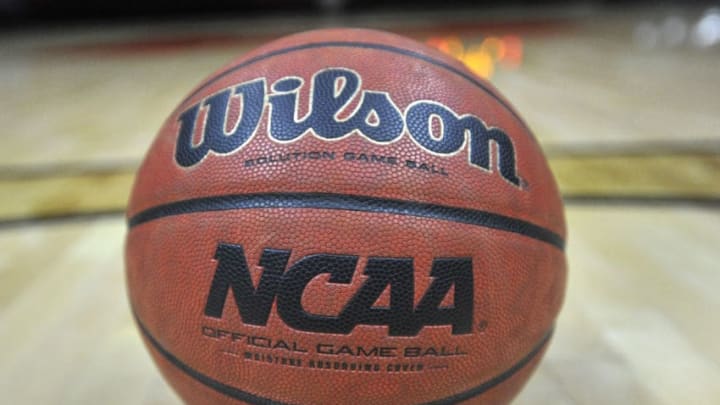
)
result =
(632, 132)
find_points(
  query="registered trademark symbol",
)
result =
(482, 325)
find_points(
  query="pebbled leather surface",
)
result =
(518, 283)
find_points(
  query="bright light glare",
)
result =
(707, 30)
(482, 58)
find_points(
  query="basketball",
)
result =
(345, 216)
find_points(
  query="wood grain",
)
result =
(637, 326)
(624, 127)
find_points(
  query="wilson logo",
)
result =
(433, 126)
(286, 286)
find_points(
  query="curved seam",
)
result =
(365, 45)
(350, 202)
(242, 395)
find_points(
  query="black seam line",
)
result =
(348, 202)
(241, 395)
(570, 200)
(500, 378)
(366, 45)
(202, 378)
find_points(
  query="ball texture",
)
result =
(345, 216)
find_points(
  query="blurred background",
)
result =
(623, 97)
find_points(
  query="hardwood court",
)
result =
(630, 127)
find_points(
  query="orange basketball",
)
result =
(345, 217)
